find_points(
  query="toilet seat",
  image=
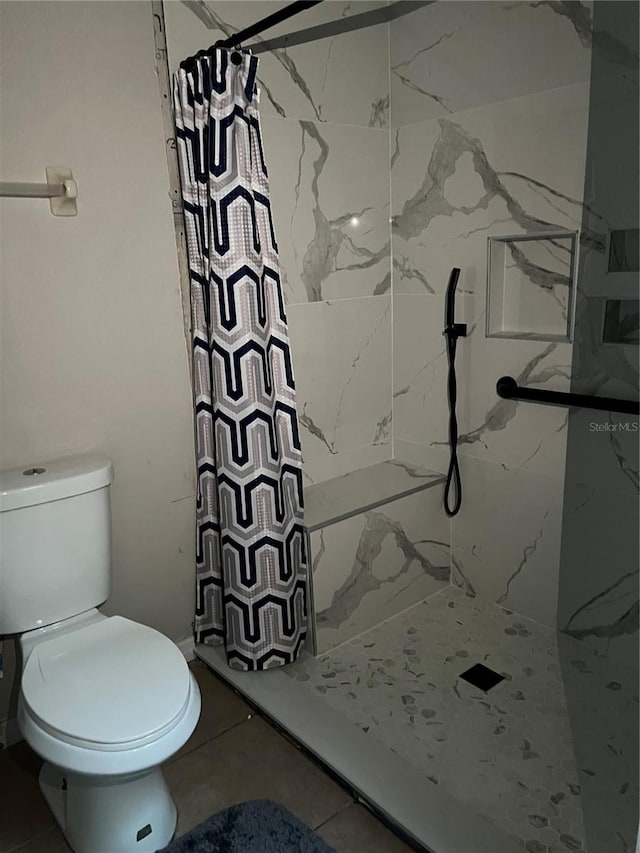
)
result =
(112, 696)
(113, 684)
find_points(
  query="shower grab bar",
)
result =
(508, 389)
(60, 189)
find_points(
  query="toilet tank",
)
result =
(55, 541)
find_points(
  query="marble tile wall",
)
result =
(450, 57)
(324, 112)
(489, 110)
(478, 114)
(376, 564)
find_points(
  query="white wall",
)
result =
(92, 349)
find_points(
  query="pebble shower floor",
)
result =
(507, 753)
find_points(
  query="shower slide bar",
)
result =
(508, 389)
(60, 189)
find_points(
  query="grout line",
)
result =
(30, 841)
(177, 757)
(391, 268)
(315, 759)
(437, 294)
(353, 802)
(453, 116)
(334, 300)
(444, 588)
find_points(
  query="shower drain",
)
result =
(481, 676)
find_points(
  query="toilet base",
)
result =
(110, 814)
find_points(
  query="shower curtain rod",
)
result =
(235, 41)
(382, 15)
(268, 22)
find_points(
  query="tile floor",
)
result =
(232, 756)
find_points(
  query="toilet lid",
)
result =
(110, 683)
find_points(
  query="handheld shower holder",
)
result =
(456, 330)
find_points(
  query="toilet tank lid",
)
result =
(44, 482)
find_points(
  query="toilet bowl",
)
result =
(103, 700)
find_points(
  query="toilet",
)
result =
(103, 700)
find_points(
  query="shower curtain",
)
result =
(251, 570)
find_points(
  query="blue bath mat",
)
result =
(259, 826)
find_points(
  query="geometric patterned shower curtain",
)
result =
(251, 562)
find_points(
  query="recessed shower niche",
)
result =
(530, 285)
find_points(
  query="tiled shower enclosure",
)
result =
(395, 153)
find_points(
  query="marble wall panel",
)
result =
(448, 57)
(506, 538)
(604, 605)
(419, 370)
(330, 196)
(415, 453)
(509, 168)
(378, 563)
(512, 167)
(342, 79)
(602, 711)
(341, 352)
(521, 435)
(514, 434)
(609, 440)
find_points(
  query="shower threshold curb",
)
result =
(401, 793)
